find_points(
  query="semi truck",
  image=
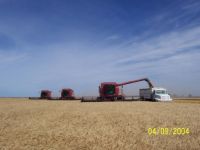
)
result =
(155, 94)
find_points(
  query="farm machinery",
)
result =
(66, 94)
(45, 94)
(112, 91)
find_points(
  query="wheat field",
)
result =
(42, 124)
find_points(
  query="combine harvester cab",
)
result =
(155, 94)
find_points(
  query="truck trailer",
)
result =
(155, 94)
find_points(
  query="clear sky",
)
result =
(52, 44)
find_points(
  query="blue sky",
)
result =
(48, 44)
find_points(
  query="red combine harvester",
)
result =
(67, 94)
(112, 91)
(45, 94)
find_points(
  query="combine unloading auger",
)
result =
(134, 81)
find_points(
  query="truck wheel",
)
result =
(142, 98)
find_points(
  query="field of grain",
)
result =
(42, 124)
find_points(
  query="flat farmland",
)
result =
(45, 124)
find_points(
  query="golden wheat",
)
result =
(42, 124)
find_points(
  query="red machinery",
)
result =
(45, 94)
(67, 94)
(111, 90)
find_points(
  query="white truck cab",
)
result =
(155, 94)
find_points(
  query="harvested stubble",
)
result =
(29, 124)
